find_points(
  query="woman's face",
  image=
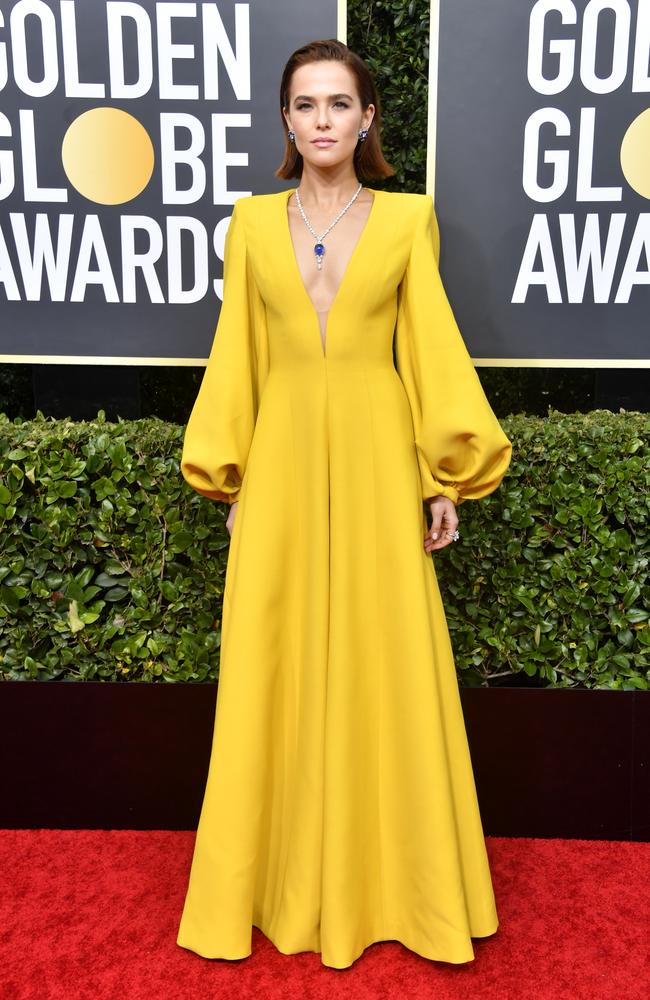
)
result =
(324, 104)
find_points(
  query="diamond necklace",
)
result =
(319, 248)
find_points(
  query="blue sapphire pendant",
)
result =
(319, 250)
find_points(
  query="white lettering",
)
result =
(216, 43)
(115, 14)
(557, 158)
(591, 258)
(539, 238)
(176, 226)
(29, 160)
(31, 261)
(92, 241)
(171, 157)
(585, 191)
(144, 261)
(73, 86)
(590, 24)
(48, 50)
(631, 274)
(168, 51)
(564, 48)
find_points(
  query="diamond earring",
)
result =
(363, 132)
(291, 135)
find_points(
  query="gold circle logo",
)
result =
(107, 156)
(635, 154)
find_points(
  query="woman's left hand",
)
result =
(444, 521)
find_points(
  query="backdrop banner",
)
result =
(539, 163)
(127, 131)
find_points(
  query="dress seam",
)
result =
(289, 794)
(328, 641)
(381, 656)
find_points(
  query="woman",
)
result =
(340, 807)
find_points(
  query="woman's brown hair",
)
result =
(369, 161)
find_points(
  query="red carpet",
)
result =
(92, 915)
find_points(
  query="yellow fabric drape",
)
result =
(462, 451)
(220, 428)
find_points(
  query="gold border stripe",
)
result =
(432, 110)
(342, 21)
(65, 359)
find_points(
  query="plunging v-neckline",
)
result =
(353, 255)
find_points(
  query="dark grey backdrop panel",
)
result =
(484, 100)
(144, 329)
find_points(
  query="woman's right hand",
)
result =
(230, 523)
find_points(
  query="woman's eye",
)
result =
(305, 105)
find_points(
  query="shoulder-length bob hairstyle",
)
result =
(369, 161)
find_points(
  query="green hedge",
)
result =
(112, 568)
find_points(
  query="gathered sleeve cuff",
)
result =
(462, 451)
(220, 428)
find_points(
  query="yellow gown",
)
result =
(340, 807)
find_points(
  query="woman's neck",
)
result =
(325, 194)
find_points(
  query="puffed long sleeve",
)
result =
(462, 451)
(220, 428)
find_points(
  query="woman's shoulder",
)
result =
(400, 208)
(255, 211)
(408, 205)
(406, 212)
(396, 199)
(253, 202)
(406, 197)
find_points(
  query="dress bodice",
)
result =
(322, 283)
(361, 318)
